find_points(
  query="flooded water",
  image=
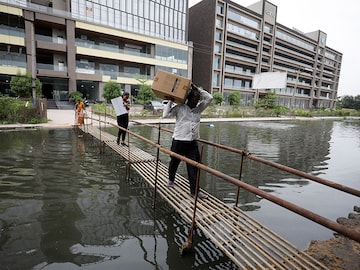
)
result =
(65, 206)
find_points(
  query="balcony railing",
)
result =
(91, 45)
(51, 67)
(113, 74)
(58, 40)
(12, 31)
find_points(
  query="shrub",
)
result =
(17, 111)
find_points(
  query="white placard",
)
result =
(118, 105)
(269, 80)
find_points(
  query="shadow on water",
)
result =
(64, 206)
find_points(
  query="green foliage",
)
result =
(21, 84)
(75, 96)
(280, 110)
(349, 102)
(268, 101)
(217, 98)
(100, 108)
(234, 98)
(111, 90)
(145, 93)
(17, 111)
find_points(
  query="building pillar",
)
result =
(31, 50)
(71, 54)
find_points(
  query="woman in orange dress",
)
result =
(81, 113)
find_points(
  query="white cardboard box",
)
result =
(118, 105)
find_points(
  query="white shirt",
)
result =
(187, 119)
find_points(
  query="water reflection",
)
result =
(302, 145)
(328, 149)
(64, 206)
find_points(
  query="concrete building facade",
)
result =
(232, 43)
(79, 45)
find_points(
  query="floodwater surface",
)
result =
(63, 205)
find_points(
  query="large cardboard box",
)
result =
(167, 85)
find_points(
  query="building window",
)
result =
(215, 80)
(220, 9)
(218, 35)
(243, 19)
(217, 62)
(217, 48)
(219, 22)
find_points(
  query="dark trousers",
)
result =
(190, 150)
(122, 121)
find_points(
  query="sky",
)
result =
(339, 20)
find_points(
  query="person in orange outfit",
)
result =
(81, 112)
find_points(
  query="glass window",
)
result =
(215, 79)
(110, 3)
(135, 9)
(130, 22)
(229, 67)
(218, 35)
(242, 31)
(124, 19)
(152, 11)
(229, 82)
(219, 9)
(132, 70)
(244, 19)
(237, 83)
(268, 29)
(294, 40)
(162, 14)
(128, 5)
(217, 48)
(216, 62)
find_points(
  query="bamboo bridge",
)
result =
(249, 244)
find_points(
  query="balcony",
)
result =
(12, 31)
(51, 70)
(91, 45)
(98, 73)
(13, 63)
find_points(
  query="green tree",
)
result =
(21, 84)
(111, 90)
(145, 93)
(217, 98)
(75, 96)
(234, 98)
(350, 102)
(268, 101)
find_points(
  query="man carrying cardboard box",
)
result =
(186, 132)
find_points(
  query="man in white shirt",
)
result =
(123, 119)
(186, 132)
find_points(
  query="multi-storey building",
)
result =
(81, 44)
(232, 43)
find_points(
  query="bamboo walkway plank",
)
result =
(249, 244)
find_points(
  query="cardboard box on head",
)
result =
(167, 85)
